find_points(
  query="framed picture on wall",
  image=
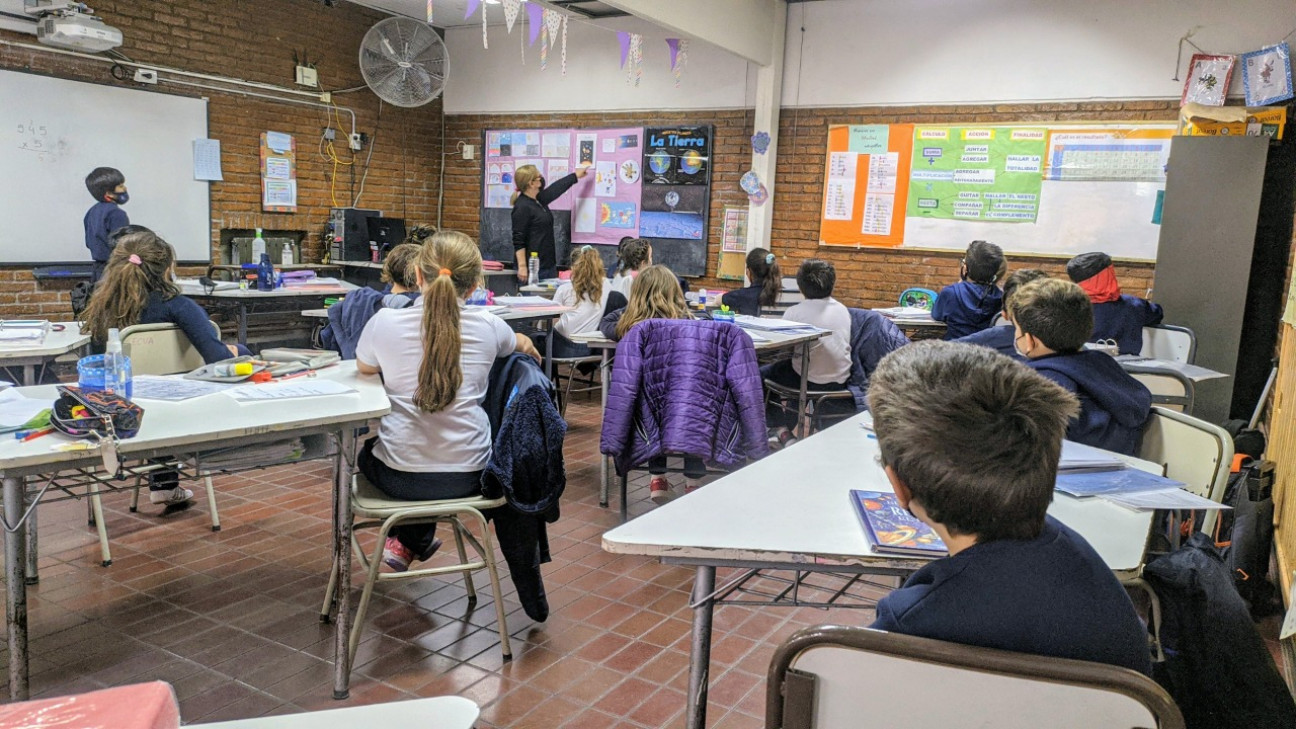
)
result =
(1267, 75)
(1208, 79)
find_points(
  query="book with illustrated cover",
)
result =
(892, 529)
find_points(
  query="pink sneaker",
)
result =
(659, 490)
(396, 555)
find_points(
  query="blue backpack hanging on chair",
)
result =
(921, 298)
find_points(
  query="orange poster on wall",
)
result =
(866, 185)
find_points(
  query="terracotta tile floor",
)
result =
(230, 619)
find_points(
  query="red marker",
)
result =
(36, 435)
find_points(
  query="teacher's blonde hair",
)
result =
(523, 177)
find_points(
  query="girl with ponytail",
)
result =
(591, 295)
(435, 358)
(766, 284)
(138, 287)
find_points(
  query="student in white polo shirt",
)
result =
(435, 359)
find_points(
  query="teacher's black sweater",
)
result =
(533, 224)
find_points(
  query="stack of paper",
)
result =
(523, 301)
(171, 389)
(241, 457)
(290, 390)
(23, 331)
(772, 325)
(905, 312)
(1104, 483)
(16, 409)
(1080, 458)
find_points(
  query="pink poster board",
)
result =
(550, 150)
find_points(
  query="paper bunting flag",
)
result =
(635, 70)
(471, 8)
(535, 19)
(553, 22)
(485, 44)
(564, 46)
(511, 8)
(678, 56)
(544, 46)
(624, 39)
(429, 13)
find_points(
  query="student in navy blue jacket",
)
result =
(108, 188)
(138, 287)
(1116, 316)
(1000, 338)
(766, 284)
(348, 317)
(970, 441)
(1053, 319)
(972, 304)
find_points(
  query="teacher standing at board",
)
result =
(533, 223)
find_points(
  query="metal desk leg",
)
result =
(15, 588)
(342, 558)
(32, 575)
(29, 375)
(242, 322)
(805, 378)
(604, 472)
(700, 655)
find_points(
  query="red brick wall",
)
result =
(864, 277)
(254, 40)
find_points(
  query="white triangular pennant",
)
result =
(564, 46)
(511, 8)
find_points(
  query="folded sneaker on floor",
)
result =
(170, 497)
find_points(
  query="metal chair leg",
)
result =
(211, 503)
(456, 527)
(97, 505)
(327, 608)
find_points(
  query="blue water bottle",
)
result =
(265, 274)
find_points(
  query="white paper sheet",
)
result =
(290, 390)
(278, 168)
(280, 193)
(16, 409)
(523, 301)
(558, 169)
(879, 211)
(839, 200)
(843, 165)
(585, 215)
(172, 389)
(883, 170)
(1163, 499)
(278, 141)
(206, 159)
(605, 179)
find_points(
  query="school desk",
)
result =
(30, 354)
(245, 301)
(917, 326)
(33, 471)
(792, 512)
(774, 342)
(441, 712)
(367, 272)
(521, 313)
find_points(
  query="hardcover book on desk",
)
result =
(892, 529)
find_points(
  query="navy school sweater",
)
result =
(1049, 596)
(192, 320)
(998, 338)
(1113, 405)
(967, 307)
(100, 221)
(1123, 320)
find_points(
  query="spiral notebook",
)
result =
(893, 530)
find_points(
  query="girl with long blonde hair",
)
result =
(435, 358)
(590, 294)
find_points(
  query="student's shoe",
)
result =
(785, 438)
(170, 497)
(398, 557)
(659, 490)
(691, 485)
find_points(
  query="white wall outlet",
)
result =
(145, 76)
(355, 141)
(307, 76)
(469, 151)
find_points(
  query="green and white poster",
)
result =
(977, 173)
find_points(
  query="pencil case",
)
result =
(106, 414)
(220, 371)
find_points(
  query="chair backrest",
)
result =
(1170, 389)
(1170, 343)
(161, 349)
(832, 676)
(1193, 451)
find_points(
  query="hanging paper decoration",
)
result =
(553, 21)
(544, 45)
(760, 197)
(624, 39)
(750, 182)
(484, 43)
(535, 21)
(511, 8)
(564, 46)
(678, 56)
(471, 8)
(760, 142)
(635, 69)
(429, 12)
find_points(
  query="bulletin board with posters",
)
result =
(636, 187)
(1057, 189)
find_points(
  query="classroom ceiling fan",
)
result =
(404, 61)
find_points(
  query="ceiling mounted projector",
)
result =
(71, 25)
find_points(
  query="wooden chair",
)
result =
(832, 676)
(372, 508)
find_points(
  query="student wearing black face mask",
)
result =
(108, 187)
(533, 223)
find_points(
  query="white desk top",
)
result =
(54, 344)
(190, 288)
(441, 712)
(533, 312)
(371, 264)
(774, 340)
(1192, 372)
(212, 417)
(747, 515)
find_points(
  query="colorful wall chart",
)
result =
(677, 176)
(866, 185)
(550, 150)
(1108, 154)
(981, 173)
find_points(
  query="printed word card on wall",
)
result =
(278, 173)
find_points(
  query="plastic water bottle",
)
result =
(533, 270)
(116, 366)
(702, 294)
(258, 246)
(287, 256)
(265, 274)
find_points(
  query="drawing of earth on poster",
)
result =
(985, 173)
(677, 155)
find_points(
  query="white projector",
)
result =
(78, 32)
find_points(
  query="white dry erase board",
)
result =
(54, 131)
(1052, 189)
